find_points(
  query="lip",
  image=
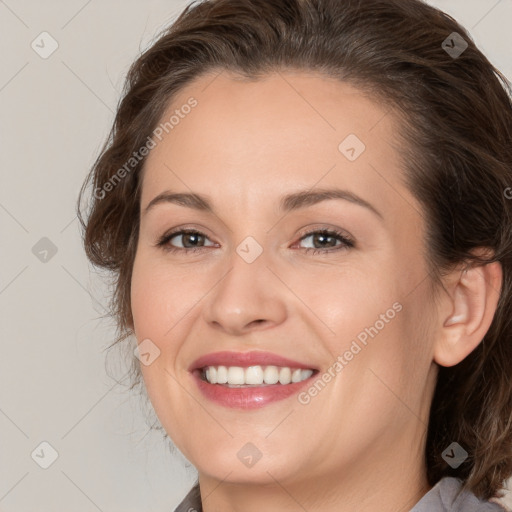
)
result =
(252, 397)
(245, 359)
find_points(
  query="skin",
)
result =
(358, 444)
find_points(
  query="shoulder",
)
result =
(446, 496)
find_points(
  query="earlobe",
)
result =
(467, 313)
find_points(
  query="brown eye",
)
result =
(191, 240)
(327, 241)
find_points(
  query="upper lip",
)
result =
(245, 359)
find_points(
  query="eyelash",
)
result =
(347, 243)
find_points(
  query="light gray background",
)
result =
(56, 113)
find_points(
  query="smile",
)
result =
(249, 380)
(254, 375)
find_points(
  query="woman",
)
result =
(306, 206)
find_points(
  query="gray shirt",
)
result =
(441, 498)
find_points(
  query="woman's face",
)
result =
(265, 278)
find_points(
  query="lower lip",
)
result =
(250, 397)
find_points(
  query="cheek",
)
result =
(159, 298)
(146, 295)
(375, 329)
(356, 303)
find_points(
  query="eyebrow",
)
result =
(290, 202)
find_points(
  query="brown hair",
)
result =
(455, 143)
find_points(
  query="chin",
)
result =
(243, 463)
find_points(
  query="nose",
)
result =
(248, 297)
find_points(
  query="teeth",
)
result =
(285, 376)
(296, 375)
(253, 375)
(222, 375)
(271, 375)
(236, 376)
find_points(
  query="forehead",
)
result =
(250, 141)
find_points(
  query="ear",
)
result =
(466, 313)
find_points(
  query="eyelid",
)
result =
(315, 228)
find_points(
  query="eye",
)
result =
(192, 240)
(325, 241)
